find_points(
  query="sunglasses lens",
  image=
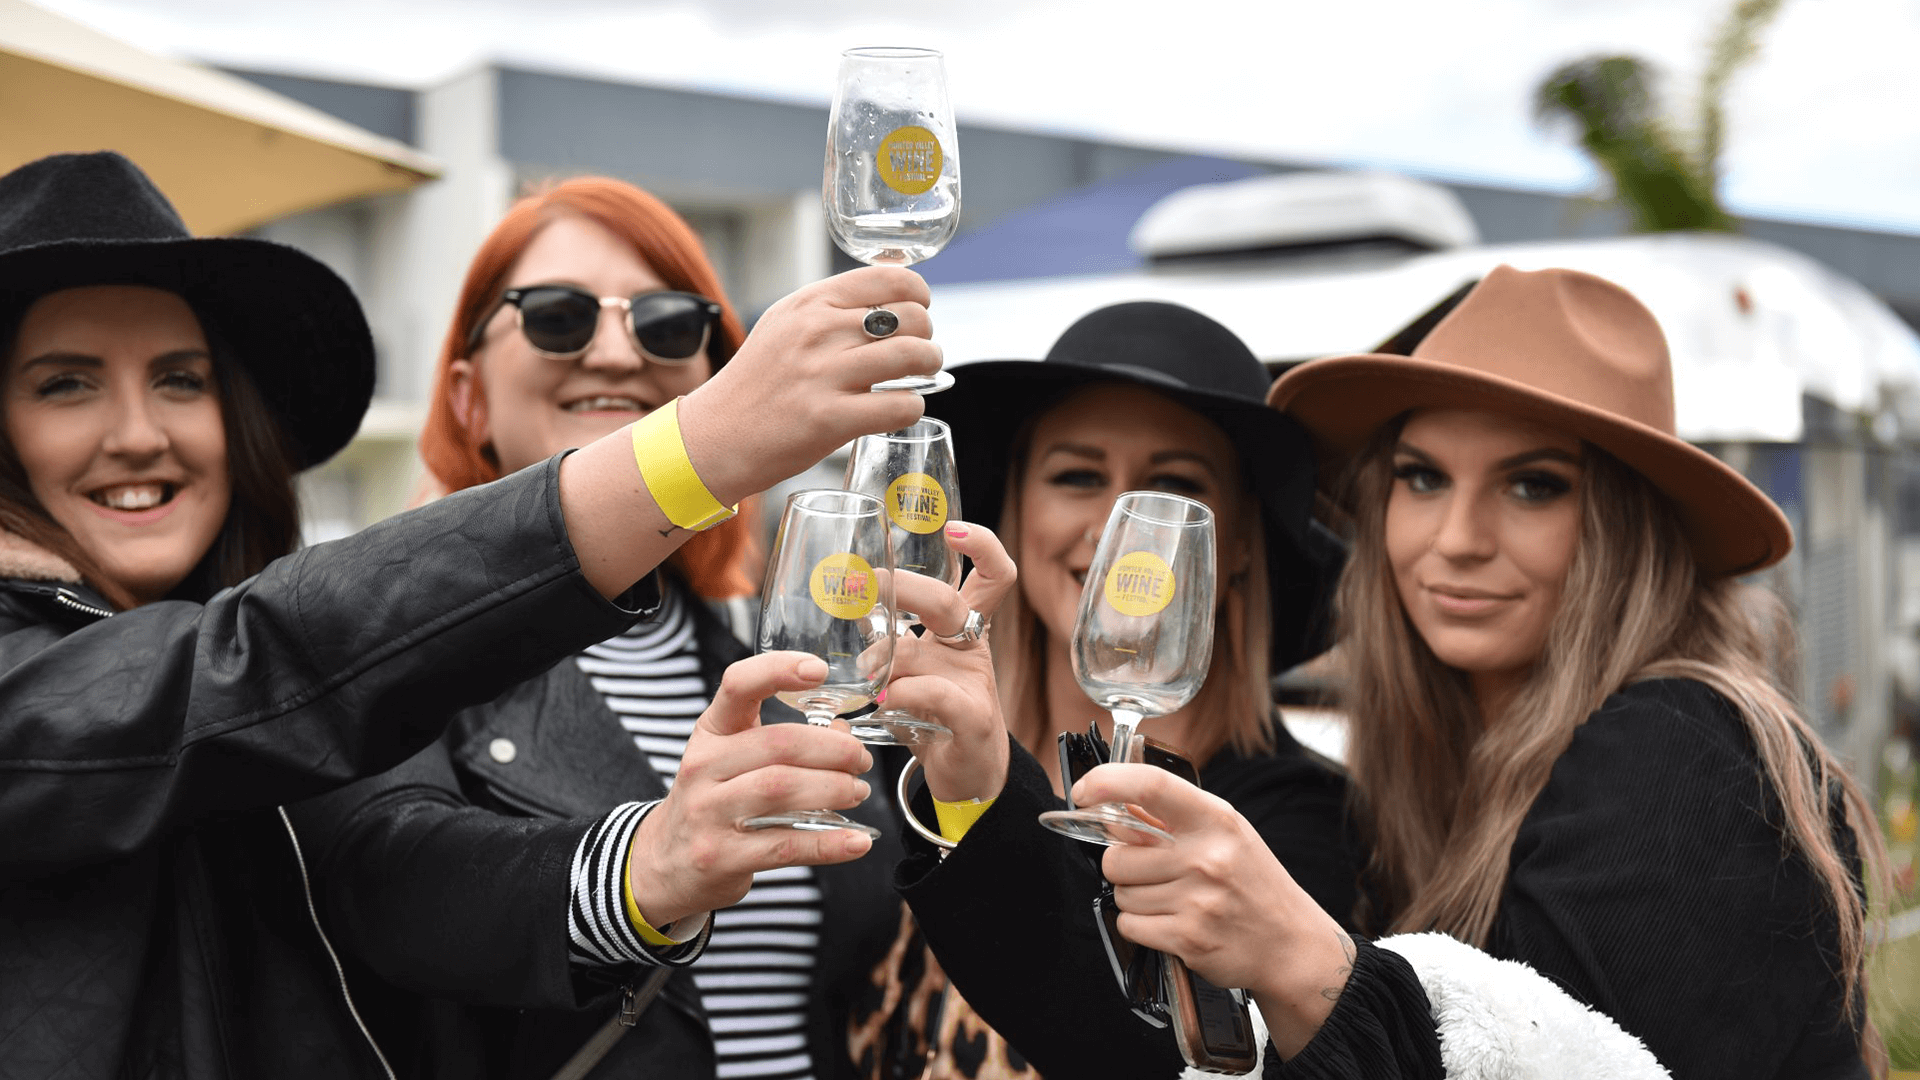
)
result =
(671, 326)
(558, 320)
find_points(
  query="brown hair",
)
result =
(1237, 686)
(263, 514)
(714, 562)
(1444, 789)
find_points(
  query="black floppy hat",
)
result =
(72, 220)
(1200, 364)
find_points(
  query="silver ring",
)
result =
(880, 323)
(972, 630)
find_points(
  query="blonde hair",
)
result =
(1238, 684)
(1444, 789)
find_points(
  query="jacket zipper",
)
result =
(67, 599)
(313, 913)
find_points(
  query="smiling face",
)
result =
(1481, 526)
(1084, 453)
(113, 411)
(532, 407)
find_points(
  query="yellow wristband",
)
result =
(661, 455)
(957, 817)
(640, 924)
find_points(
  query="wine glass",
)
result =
(892, 185)
(829, 592)
(911, 472)
(1144, 636)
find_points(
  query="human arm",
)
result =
(798, 389)
(337, 661)
(1646, 872)
(412, 874)
(119, 731)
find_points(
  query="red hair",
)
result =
(714, 562)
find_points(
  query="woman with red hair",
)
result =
(466, 879)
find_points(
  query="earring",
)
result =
(1091, 537)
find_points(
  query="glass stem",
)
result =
(1124, 721)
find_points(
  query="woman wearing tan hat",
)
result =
(1566, 744)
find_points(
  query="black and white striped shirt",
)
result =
(755, 971)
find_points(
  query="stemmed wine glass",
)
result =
(829, 592)
(911, 472)
(1144, 637)
(892, 185)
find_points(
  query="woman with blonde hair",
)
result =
(1136, 396)
(592, 305)
(1582, 787)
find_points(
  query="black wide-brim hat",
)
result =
(73, 220)
(1200, 364)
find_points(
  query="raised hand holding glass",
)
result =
(891, 189)
(829, 592)
(1144, 636)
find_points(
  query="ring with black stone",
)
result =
(880, 323)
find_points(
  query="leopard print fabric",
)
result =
(887, 1029)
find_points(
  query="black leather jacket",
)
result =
(153, 921)
(446, 883)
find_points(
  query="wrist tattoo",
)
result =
(1347, 950)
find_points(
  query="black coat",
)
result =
(153, 921)
(448, 881)
(1009, 911)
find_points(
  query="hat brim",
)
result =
(1732, 525)
(293, 325)
(991, 401)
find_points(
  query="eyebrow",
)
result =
(73, 359)
(1525, 457)
(1094, 453)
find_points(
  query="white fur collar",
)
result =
(1502, 1020)
(22, 558)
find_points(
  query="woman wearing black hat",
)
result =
(1137, 396)
(1583, 787)
(167, 677)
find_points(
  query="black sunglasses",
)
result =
(1139, 972)
(559, 321)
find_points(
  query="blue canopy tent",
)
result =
(1083, 231)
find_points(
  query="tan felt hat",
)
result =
(1562, 348)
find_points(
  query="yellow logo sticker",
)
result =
(909, 159)
(917, 503)
(1140, 583)
(844, 586)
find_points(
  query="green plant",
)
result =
(1661, 182)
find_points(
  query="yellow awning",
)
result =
(230, 154)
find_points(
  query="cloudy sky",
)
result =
(1824, 125)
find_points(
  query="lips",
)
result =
(606, 403)
(1466, 601)
(134, 497)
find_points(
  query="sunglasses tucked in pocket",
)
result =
(1211, 1023)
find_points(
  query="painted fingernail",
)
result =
(880, 698)
(956, 530)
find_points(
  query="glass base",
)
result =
(1106, 824)
(890, 727)
(919, 384)
(809, 821)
